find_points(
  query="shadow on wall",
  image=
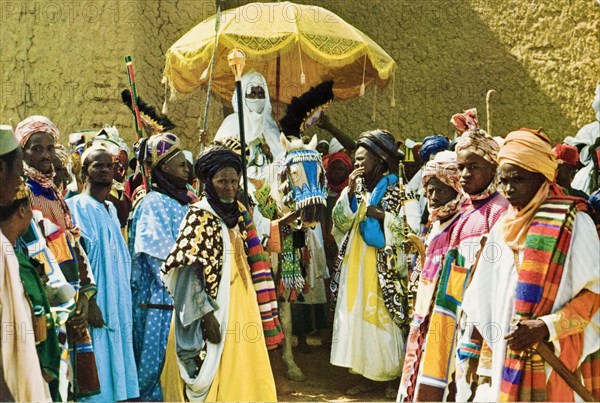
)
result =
(447, 59)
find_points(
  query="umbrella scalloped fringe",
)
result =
(201, 60)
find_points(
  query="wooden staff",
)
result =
(572, 380)
(211, 68)
(488, 104)
(139, 132)
(134, 98)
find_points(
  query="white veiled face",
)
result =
(255, 97)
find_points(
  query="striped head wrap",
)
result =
(479, 142)
(35, 124)
(465, 121)
(383, 144)
(443, 167)
(160, 147)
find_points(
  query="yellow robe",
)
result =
(244, 373)
(172, 385)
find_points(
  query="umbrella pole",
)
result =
(277, 84)
(212, 68)
(240, 102)
(237, 60)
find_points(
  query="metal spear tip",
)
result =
(237, 60)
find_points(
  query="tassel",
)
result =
(301, 298)
(204, 75)
(374, 114)
(292, 297)
(164, 105)
(393, 102)
(362, 85)
(302, 76)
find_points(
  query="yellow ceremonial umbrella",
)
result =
(293, 46)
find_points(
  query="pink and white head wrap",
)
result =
(444, 167)
(465, 121)
(479, 142)
(35, 124)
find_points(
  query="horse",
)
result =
(298, 186)
(295, 183)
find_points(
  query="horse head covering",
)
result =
(382, 144)
(306, 179)
(479, 142)
(432, 145)
(35, 124)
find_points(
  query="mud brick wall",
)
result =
(64, 59)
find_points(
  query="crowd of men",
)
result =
(467, 267)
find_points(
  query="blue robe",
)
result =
(111, 265)
(154, 229)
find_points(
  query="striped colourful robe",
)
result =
(491, 299)
(476, 221)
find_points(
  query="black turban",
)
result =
(206, 167)
(382, 144)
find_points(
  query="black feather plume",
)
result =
(156, 121)
(302, 107)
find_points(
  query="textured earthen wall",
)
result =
(64, 59)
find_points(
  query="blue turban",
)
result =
(433, 145)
